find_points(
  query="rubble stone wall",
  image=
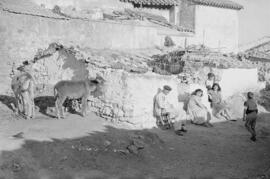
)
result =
(60, 66)
(129, 97)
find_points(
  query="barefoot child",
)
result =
(250, 115)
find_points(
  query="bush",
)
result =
(168, 42)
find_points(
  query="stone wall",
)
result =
(129, 97)
(60, 66)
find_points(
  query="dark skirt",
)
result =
(252, 116)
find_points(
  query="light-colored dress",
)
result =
(197, 110)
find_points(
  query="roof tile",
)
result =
(153, 2)
(219, 3)
(216, 3)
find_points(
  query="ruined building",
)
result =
(73, 40)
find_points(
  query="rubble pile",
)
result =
(127, 74)
(112, 59)
(188, 62)
(99, 58)
(72, 13)
(264, 99)
(167, 64)
(218, 60)
(129, 14)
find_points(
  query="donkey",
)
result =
(22, 86)
(75, 90)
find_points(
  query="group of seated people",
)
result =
(198, 112)
(219, 106)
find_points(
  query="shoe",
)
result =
(179, 132)
(253, 138)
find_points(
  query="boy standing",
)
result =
(250, 115)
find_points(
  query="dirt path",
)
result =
(93, 148)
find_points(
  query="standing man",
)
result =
(162, 107)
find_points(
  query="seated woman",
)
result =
(198, 111)
(220, 108)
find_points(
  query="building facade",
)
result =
(213, 23)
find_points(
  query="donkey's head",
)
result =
(99, 83)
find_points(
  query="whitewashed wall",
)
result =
(141, 89)
(216, 28)
(239, 80)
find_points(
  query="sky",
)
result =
(254, 20)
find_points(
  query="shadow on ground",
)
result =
(45, 102)
(123, 154)
(115, 153)
(7, 100)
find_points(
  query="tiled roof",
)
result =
(219, 3)
(153, 2)
(216, 3)
(254, 44)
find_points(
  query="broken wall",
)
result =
(61, 65)
(22, 35)
(129, 97)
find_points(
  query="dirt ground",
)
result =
(86, 148)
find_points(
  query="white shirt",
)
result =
(161, 103)
(209, 83)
